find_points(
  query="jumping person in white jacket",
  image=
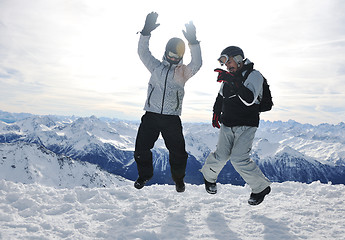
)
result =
(163, 105)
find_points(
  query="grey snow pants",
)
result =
(235, 143)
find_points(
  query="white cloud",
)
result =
(80, 56)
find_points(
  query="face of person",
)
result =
(173, 57)
(231, 65)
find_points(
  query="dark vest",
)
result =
(234, 111)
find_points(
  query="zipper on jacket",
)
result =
(178, 101)
(149, 97)
(165, 86)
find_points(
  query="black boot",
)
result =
(257, 198)
(180, 186)
(211, 188)
(140, 183)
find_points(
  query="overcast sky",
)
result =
(79, 57)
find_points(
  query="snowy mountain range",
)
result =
(285, 151)
(31, 163)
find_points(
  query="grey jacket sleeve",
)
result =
(196, 62)
(145, 55)
(254, 84)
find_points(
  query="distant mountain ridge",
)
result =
(285, 151)
(13, 117)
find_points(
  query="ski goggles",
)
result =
(173, 55)
(223, 59)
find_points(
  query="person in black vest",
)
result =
(236, 113)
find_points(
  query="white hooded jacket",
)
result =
(166, 86)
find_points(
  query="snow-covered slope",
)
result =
(291, 211)
(31, 163)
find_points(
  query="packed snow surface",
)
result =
(292, 211)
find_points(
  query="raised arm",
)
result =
(194, 45)
(143, 46)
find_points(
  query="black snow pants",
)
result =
(152, 124)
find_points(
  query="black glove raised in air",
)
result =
(150, 24)
(190, 33)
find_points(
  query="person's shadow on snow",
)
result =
(273, 229)
(175, 227)
(217, 224)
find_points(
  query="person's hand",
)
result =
(150, 23)
(231, 83)
(216, 120)
(224, 76)
(190, 33)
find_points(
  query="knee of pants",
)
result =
(178, 157)
(237, 156)
(142, 156)
(213, 166)
(241, 161)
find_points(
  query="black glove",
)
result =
(216, 120)
(224, 76)
(232, 84)
(190, 33)
(150, 23)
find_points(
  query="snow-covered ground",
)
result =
(292, 211)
